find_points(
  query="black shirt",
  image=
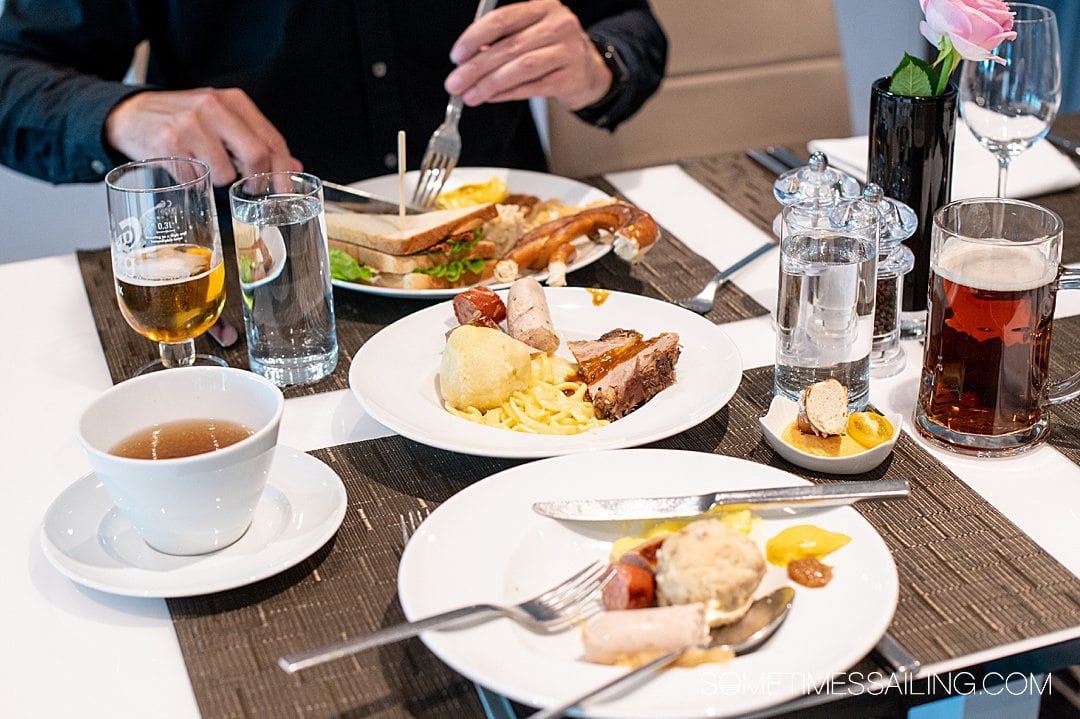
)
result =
(338, 78)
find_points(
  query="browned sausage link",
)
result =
(630, 588)
(633, 223)
(478, 302)
(564, 254)
(643, 555)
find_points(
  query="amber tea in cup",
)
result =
(995, 273)
(181, 438)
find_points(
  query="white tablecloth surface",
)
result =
(70, 651)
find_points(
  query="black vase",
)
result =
(911, 156)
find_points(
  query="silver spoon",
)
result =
(743, 637)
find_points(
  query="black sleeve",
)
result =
(60, 68)
(632, 29)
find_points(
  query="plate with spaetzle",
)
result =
(536, 372)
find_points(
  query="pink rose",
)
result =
(975, 27)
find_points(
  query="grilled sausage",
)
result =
(527, 316)
(631, 588)
(478, 302)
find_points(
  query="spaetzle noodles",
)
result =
(551, 404)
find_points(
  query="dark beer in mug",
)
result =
(986, 361)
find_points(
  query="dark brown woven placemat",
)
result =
(740, 182)
(969, 579)
(670, 271)
(747, 186)
(231, 641)
(1064, 361)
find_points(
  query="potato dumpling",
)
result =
(482, 367)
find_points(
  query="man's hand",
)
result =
(531, 49)
(219, 127)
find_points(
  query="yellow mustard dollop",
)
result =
(803, 541)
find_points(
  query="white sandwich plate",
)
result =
(540, 184)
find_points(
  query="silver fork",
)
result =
(410, 522)
(556, 609)
(444, 147)
(703, 301)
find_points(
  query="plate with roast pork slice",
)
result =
(651, 368)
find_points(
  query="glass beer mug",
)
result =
(995, 272)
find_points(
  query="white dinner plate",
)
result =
(88, 541)
(485, 544)
(395, 377)
(543, 185)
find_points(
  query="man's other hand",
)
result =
(530, 49)
(221, 127)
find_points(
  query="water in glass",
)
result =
(285, 286)
(825, 313)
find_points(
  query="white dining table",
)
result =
(72, 651)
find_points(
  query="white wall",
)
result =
(38, 219)
(874, 35)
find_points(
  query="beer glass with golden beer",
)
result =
(995, 273)
(166, 254)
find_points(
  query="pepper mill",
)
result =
(897, 222)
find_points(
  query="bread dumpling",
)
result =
(823, 409)
(708, 562)
(482, 367)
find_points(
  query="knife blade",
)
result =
(767, 161)
(1069, 147)
(784, 157)
(812, 495)
(360, 201)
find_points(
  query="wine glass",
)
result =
(166, 254)
(1009, 107)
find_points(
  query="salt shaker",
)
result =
(816, 186)
(897, 222)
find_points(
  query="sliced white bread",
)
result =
(823, 409)
(406, 235)
(401, 264)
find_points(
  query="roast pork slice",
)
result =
(623, 371)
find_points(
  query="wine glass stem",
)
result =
(177, 354)
(1003, 173)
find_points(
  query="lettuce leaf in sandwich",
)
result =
(344, 267)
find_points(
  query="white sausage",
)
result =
(527, 316)
(611, 637)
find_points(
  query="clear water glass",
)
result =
(825, 305)
(284, 266)
(1009, 107)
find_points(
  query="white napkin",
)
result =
(1039, 170)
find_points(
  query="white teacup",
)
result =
(195, 504)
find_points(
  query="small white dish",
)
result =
(783, 412)
(88, 540)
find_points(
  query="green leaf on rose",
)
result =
(345, 267)
(913, 78)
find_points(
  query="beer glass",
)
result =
(166, 254)
(995, 272)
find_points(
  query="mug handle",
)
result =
(1066, 389)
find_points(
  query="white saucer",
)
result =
(88, 541)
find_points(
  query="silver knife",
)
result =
(784, 157)
(1069, 147)
(812, 495)
(355, 200)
